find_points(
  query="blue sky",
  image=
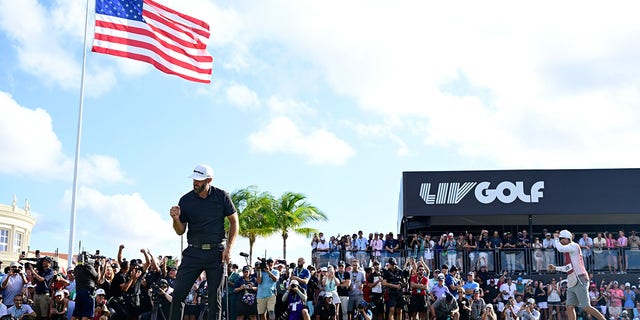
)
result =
(330, 99)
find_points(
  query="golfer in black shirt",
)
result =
(201, 213)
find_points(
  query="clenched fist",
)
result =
(174, 212)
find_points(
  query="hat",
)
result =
(341, 263)
(476, 290)
(323, 269)
(47, 258)
(470, 273)
(531, 300)
(548, 234)
(321, 238)
(31, 285)
(489, 305)
(15, 264)
(292, 282)
(627, 284)
(519, 279)
(328, 294)
(246, 268)
(614, 282)
(634, 287)
(392, 261)
(450, 234)
(441, 276)
(100, 292)
(565, 234)
(59, 293)
(202, 172)
(65, 291)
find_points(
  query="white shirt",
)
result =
(575, 255)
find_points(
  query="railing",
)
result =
(518, 261)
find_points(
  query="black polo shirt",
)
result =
(205, 217)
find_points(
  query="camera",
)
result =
(263, 263)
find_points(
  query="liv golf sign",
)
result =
(505, 192)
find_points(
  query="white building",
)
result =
(15, 230)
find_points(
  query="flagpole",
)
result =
(72, 224)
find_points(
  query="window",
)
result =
(17, 242)
(4, 239)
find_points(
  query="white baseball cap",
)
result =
(202, 172)
(565, 234)
(100, 292)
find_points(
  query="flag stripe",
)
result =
(199, 27)
(147, 31)
(162, 57)
(139, 33)
(181, 17)
(197, 77)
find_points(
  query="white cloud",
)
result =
(242, 97)
(31, 148)
(473, 80)
(100, 215)
(45, 42)
(317, 146)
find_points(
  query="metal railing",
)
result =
(518, 261)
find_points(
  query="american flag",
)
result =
(145, 30)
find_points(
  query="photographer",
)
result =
(392, 280)
(529, 311)
(325, 310)
(13, 283)
(445, 308)
(161, 296)
(510, 310)
(86, 281)
(488, 313)
(41, 276)
(267, 277)
(363, 312)
(295, 297)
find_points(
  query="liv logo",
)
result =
(448, 193)
(505, 192)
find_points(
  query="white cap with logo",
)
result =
(202, 172)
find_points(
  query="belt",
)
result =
(206, 246)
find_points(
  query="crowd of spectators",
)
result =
(518, 253)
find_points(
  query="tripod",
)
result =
(156, 312)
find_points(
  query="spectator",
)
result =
(629, 298)
(586, 243)
(19, 310)
(428, 247)
(266, 296)
(376, 246)
(323, 245)
(445, 308)
(548, 245)
(509, 242)
(374, 281)
(391, 279)
(102, 311)
(246, 287)
(616, 299)
(538, 255)
(330, 284)
(42, 276)
(356, 294)
(622, 244)
(344, 282)
(470, 287)
(599, 244)
(449, 247)
(58, 307)
(325, 310)
(612, 253)
(86, 278)
(361, 244)
(295, 297)
(391, 245)
(477, 305)
(419, 302)
(439, 290)
(13, 283)
(488, 313)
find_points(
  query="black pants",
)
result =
(194, 261)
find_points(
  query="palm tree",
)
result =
(291, 213)
(254, 211)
